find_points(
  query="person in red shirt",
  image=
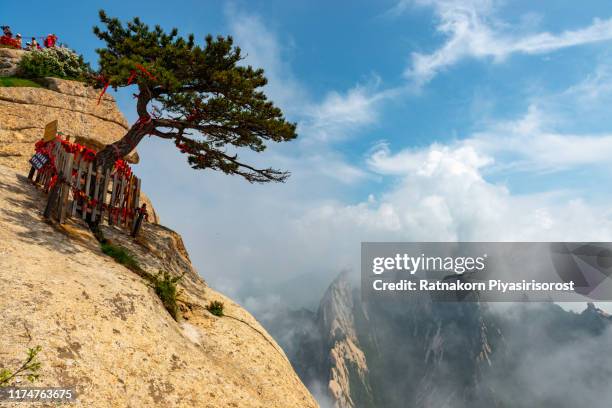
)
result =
(50, 40)
(7, 38)
(6, 30)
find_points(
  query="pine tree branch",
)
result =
(253, 175)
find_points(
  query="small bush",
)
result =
(29, 369)
(165, 288)
(59, 62)
(121, 255)
(215, 307)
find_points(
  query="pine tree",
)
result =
(201, 97)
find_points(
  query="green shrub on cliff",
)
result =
(121, 255)
(59, 62)
(164, 285)
(215, 307)
(29, 369)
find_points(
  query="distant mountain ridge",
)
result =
(410, 351)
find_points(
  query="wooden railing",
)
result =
(78, 190)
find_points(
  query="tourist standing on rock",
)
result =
(33, 45)
(6, 30)
(18, 40)
(50, 40)
(7, 38)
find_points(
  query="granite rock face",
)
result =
(24, 112)
(9, 60)
(347, 361)
(103, 329)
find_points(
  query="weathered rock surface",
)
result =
(104, 330)
(24, 112)
(9, 60)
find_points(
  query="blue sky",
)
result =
(418, 120)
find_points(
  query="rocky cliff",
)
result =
(348, 371)
(103, 329)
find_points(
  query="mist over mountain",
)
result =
(411, 351)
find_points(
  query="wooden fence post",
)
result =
(77, 185)
(53, 195)
(65, 188)
(84, 206)
(104, 193)
(96, 195)
(141, 213)
(121, 199)
(113, 199)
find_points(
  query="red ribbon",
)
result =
(144, 71)
(132, 76)
(106, 84)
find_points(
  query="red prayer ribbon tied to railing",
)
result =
(123, 168)
(87, 155)
(118, 211)
(46, 148)
(115, 212)
(53, 181)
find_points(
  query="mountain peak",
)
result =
(336, 309)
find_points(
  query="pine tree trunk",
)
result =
(118, 150)
(121, 148)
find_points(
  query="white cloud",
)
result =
(339, 115)
(529, 144)
(473, 32)
(595, 89)
(443, 196)
(463, 160)
(353, 109)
